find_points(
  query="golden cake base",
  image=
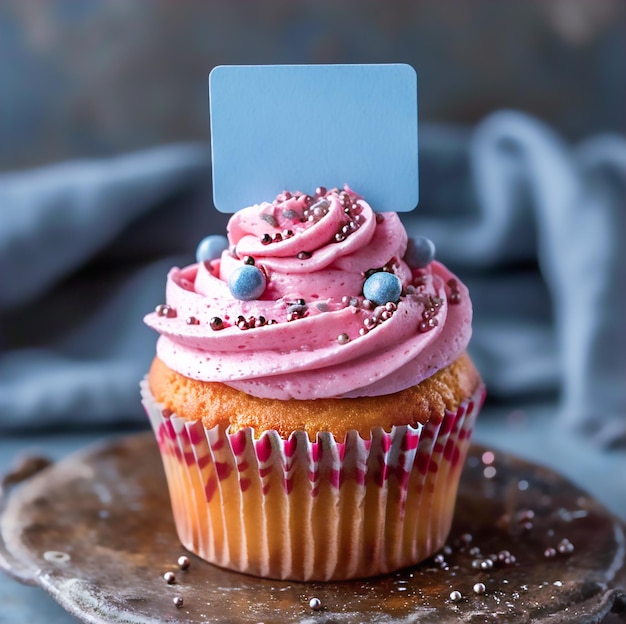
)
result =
(96, 531)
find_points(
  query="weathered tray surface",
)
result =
(95, 530)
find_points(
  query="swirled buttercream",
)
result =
(311, 333)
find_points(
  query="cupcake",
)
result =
(311, 394)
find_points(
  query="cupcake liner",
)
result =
(323, 510)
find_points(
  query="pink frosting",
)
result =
(336, 344)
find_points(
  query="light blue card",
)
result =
(297, 127)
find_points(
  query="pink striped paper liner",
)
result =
(323, 510)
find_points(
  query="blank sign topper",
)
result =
(297, 127)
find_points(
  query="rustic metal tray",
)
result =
(95, 530)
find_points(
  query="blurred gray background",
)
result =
(91, 78)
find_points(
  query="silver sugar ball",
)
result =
(169, 577)
(315, 604)
(343, 339)
(183, 562)
(479, 588)
(456, 596)
(178, 601)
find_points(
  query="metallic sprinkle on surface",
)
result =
(479, 588)
(315, 604)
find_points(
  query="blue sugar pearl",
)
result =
(382, 287)
(420, 252)
(211, 247)
(247, 282)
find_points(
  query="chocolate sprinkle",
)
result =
(216, 323)
(165, 310)
(426, 326)
(455, 297)
(296, 310)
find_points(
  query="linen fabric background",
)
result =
(527, 207)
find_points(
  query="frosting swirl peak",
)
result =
(311, 333)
